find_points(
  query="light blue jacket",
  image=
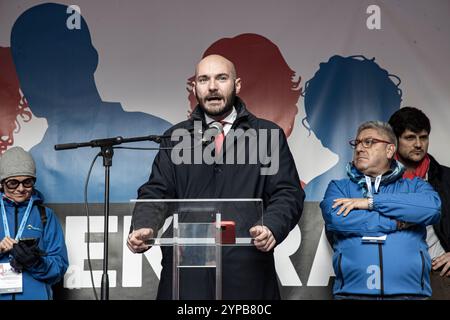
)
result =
(398, 266)
(37, 281)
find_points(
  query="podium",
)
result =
(198, 230)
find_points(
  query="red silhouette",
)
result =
(12, 103)
(269, 89)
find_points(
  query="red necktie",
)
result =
(218, 140)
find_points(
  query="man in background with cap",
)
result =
(33, 254)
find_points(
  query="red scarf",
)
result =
(420, 171)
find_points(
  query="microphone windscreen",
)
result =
(218, 126)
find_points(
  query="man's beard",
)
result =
(411, 161)
(226, 109)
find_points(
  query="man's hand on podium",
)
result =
(263, 238)
(137, 238)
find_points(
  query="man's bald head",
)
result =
(216, 59)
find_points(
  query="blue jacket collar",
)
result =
(35, 197)
(393, 174)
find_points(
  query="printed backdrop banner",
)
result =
(84, 70)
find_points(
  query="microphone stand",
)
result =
(107, 152)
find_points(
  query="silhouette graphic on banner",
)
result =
(345, 92)
(56, 67)
(13, 105)
(269, 89)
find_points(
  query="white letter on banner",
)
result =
(285, 269)
(322, 268)
(76, 227)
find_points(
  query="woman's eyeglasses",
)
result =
(14, 183)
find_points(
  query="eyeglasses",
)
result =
(367, 143)
(14, 183)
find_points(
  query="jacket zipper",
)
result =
(340, 270)
(380, 255)
(422, 282)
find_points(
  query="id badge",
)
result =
(10, 280)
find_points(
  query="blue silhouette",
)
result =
(56, 68)
(345, 92)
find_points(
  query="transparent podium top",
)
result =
(199, 222)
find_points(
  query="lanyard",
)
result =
(369, 185)
(22, 223)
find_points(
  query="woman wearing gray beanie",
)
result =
(33, 254)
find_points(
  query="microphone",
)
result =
(216, 125)
(214, 129)
(108, 142)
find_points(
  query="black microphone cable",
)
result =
(86, 206)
